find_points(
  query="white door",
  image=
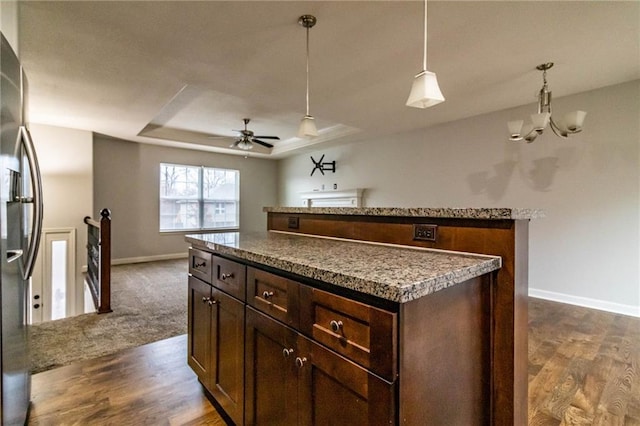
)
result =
(52, 291)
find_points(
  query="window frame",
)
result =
(198, 200)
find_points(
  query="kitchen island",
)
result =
(371, 331)
(502, 232)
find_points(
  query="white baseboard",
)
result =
(586, 302)
(143, 259)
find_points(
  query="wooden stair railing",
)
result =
(99, 260)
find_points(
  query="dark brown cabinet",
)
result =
(277, 351)
(274, 295)
(296, 381)
(216, 327)
(272, 376)
(363, 333)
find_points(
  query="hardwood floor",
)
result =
(147, 385)
(584, 369)
(584, 366)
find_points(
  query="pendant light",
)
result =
(307, 124)
(425, 91)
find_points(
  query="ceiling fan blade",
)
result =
(259, 142)
(268, 137)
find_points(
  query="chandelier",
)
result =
(569, 124)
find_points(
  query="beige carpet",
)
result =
(149, 302)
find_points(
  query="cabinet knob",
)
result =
(212, 302)
(336, 325)
(267, 294)
(287, 352)
(225, 276)
(300, 362)
(200, 265)
(205, 299)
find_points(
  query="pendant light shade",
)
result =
(307, 127)
(425, 91)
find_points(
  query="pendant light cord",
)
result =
(307, 70)
(424, 58)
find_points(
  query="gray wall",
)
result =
(126, 180)
(586, 251)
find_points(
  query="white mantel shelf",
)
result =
(343, 198)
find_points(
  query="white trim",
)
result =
(586, 302)
(344, 198)
(143, 259)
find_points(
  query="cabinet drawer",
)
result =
(200, 264)
(362, 333)
(274, 295)
(229, 276)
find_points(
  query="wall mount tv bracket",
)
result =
(323, 167)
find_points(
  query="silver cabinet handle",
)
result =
(226, 276)
(267, 294)
(36, 182)
(287, 352)
(300, 362)
(336, 325)
(205, 299)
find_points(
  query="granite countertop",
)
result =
(395, 273)
(457, 213)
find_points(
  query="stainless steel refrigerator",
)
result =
(20, 229)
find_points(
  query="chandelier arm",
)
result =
(557, 130)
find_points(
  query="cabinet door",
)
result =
(199, 328)
(336, 391)
(226, 376)
(271, 374)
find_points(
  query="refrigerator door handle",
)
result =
(13, 255)
(36, 182)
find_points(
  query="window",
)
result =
(198, 198)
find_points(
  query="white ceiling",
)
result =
(188, 69)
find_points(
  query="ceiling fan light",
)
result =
(307, 127)
(574, 121)
(425, 91)
(245, 145)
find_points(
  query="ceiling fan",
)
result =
(246, 138)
